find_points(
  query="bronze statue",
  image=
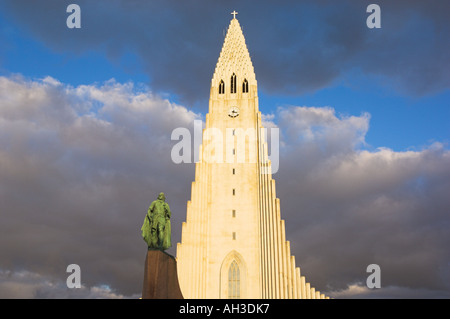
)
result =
(156, 229)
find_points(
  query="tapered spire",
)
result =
(234, 57)
(233, 243)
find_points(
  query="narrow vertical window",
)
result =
(234, 171)
(221, 87)
(234, 281)
(233, 83)
(245, 86)
(234, 235)
(233, 213)
(234, 191)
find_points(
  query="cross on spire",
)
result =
(234, 14)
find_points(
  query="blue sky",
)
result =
(24, 54)
(89, 153)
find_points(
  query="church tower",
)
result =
(233, 242)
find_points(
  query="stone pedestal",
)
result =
(160, 276)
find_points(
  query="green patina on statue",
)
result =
(156, 228)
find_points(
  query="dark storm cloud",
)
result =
(296, 47)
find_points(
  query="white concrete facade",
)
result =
(233, 242)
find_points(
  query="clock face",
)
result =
(233, 112)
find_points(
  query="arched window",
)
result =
(245, 86)
(233, 276)
(234, 281)
(221, 87)
(233, 83)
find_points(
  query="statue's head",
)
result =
(161, 196)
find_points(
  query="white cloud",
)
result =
(27, 285)
(360, 291)
(320, 127)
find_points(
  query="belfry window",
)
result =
(234, 281)
(233, 83)
(221, 87)
(245, 86)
